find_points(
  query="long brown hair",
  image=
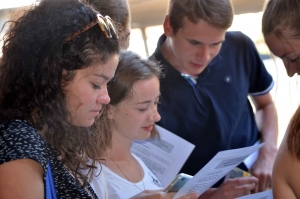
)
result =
(131, 68)
(281, 17)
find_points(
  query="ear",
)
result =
(64, 72)
(168, 30)
(111, 111)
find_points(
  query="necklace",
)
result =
(126, 175)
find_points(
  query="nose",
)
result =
(291, 68)
(103, 97)
(203, 54)
(155, 115)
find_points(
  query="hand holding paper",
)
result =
(262, 195)
(232, 188)
(215, 169)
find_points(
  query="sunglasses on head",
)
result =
(105, 24)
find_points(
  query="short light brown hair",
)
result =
(218, 13)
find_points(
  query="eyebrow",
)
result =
(193, 40)
(282, 56)
(147, 102)
(103, 76)
(286, 56)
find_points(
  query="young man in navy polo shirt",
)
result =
(209, 75)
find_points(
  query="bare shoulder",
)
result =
(21, 178)
(285, 174)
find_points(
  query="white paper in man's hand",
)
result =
(215, 169)
(261, 195)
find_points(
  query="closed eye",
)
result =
(216, 44)
(194, 42)
(157, 102)
(96, 86)
(143, 109)
(294, 60)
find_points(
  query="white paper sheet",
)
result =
(262, 195)
(249, 161)
(216, 168)
(164, 156)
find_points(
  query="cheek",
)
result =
(180, 47)
(293, 66)
(287, 65)
(187, 49)
(132, 119)
(215, 51)
(86, 96)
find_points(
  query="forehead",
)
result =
(142, 90)
(202, 30)
(108, 68)
(280, 46)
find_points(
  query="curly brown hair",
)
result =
(35, 55)
(119, 11)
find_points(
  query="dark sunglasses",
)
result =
(105, 24)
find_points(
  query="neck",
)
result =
(120, 148)
(120, 161)
(168, 54)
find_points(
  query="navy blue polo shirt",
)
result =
(215, 114)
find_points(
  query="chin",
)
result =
(87, 123)
(147, 136)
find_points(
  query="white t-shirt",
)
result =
(118, 187)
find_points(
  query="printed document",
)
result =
(249, 161)
(261, 195)
(165, 156)
(215, 169)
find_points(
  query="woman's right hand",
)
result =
(159, 194)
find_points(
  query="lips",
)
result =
(96, 111)
(148, 128)
(195, 65)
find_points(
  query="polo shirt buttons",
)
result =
(227, 79)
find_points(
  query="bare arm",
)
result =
(268, 126)
(285, 179)
(21, 179)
